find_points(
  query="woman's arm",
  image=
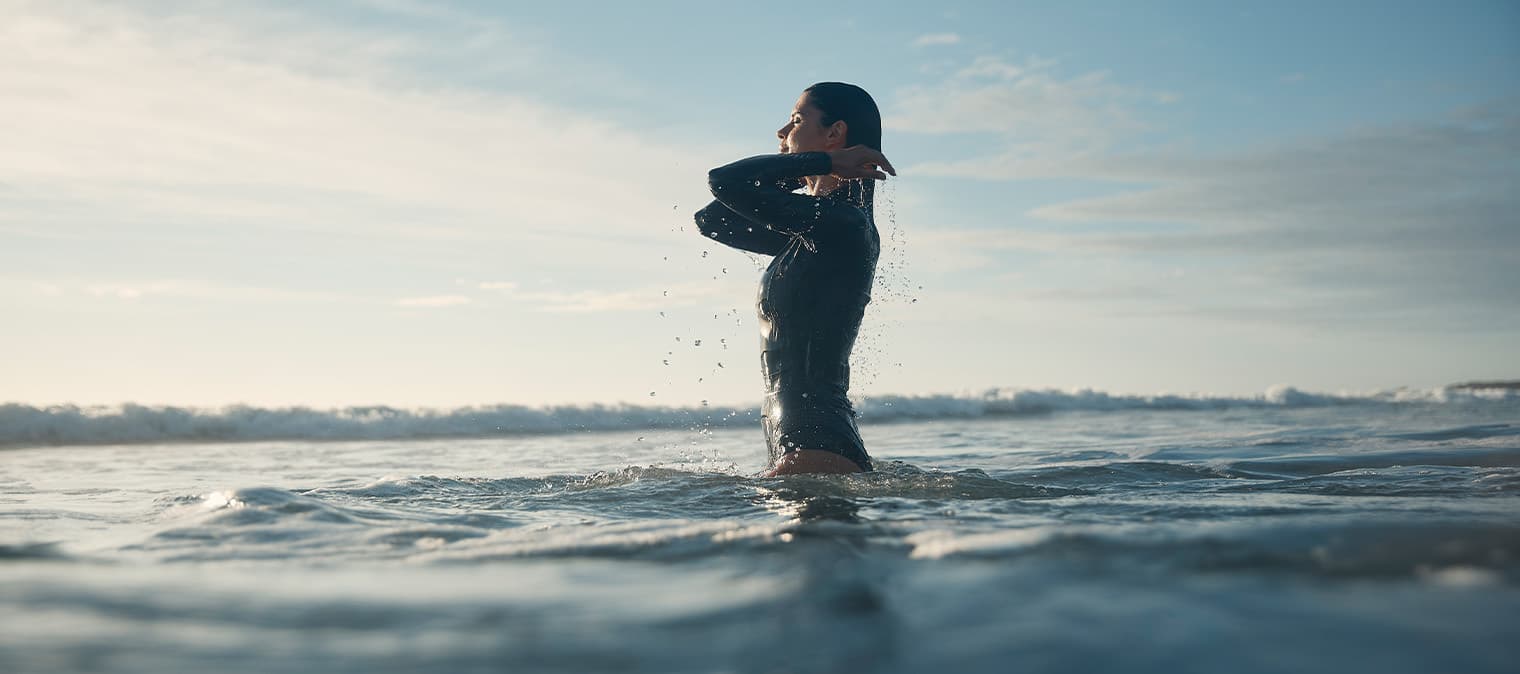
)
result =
(743, 186)
(720, 223)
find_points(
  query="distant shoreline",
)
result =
(1471, 385)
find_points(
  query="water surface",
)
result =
(1363, 537)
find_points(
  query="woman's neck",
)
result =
(820, 185)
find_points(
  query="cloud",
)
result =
(48, 289)
(935, 39)
(293, 119)
(1414, 223)
(117, 291)
(433, 301)
(189, 289)
(1028, 107)
(587, 301)
(598, 300)
(1449, 181)
(1411, 225)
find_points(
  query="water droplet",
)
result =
(665, 361)
(651, 394)
(725, 270)
(697, 342)
(804, 395)
(757, 183)
(665, 293)
(704, 253)
(699, 380)
(662, 314)
(704, 403)
(678, 339)
(720, 365)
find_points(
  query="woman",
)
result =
(814, 292)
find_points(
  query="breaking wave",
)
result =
(26, 425)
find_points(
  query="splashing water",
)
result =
(891, 289)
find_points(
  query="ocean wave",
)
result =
(26, 425)
(1012, 402)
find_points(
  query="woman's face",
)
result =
(805, 132)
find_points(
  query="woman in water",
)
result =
(814, 292)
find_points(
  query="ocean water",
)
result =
(1012, 531)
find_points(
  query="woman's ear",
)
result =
(838, 132)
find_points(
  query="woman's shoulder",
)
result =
(849, 220)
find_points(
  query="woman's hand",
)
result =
(859, 161)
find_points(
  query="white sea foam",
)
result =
(25, 425)
(1010, 402)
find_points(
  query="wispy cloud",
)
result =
(1415, 221)
(936, 39)
(1410, 223)
(600, 300)
(433, 301)
(187, 289)
(272, 112)
(1452, 179)
(1029, 107)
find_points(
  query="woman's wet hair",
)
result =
(839, 101)
(847, 102)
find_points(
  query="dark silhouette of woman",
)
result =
(824, 246)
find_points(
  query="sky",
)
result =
(444, 204)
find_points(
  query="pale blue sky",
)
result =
(409, 203)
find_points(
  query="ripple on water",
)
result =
(633, 512)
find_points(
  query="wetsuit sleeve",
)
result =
(720, 223)
(745, 187)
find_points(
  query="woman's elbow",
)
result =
(707, 222)
(717, 180)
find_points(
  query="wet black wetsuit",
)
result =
(812, 295)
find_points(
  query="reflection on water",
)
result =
(807, 499)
